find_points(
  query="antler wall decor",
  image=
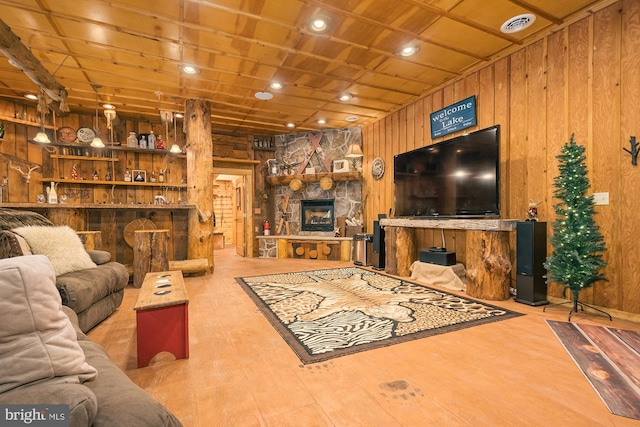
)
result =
(633, 151)
(26, 176)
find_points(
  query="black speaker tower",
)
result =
(378, 254)
(531, 253)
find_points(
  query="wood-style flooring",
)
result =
(242, 373)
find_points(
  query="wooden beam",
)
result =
(21, 57)
(197, 123)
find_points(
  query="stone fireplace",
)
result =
(293, 149)
(317, 215)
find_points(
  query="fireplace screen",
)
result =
(317, 215)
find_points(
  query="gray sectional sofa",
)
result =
(93, 293)
(45, 359)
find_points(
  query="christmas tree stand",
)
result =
(577, 306)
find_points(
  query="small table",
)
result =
(162, 316)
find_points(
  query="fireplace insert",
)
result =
(317, 215)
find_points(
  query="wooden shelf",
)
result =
(314, 177)
(94, 159)
(102, 182)
(25, 122)
(132, 206)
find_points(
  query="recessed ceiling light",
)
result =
(265, 96)
(30, 96)
(321, 121)
(352, 119)
(517, 23)
(276, 85)
(319, 24)
(290, 125)
(190, 69)
(345, 97)
(109, 106)
(409, 50)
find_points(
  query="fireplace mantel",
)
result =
(314, 177)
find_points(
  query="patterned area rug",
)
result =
(609, 358)
(324, 314)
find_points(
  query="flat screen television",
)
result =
(457, 178)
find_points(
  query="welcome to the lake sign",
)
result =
(453, 118)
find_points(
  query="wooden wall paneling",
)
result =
(629, 204)
(557, 111)
(580, 49)
(536, 147)
(402, 131)
(390, 142)
(418, 123)
(485, 101)
(369, 141)
(607, 159)
(34, 155)
(517, 155)
(579, 72)
(501, 116)
(437, 100)
(411, 130)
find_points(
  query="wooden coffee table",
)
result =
(162, 316)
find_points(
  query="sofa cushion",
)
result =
(12, 218)
(60, 244)
(99, 257)
(83, 405)
(80, 289)
(38, 343)
(120, 401)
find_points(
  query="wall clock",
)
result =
(377, 168)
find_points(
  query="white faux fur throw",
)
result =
(37, 340)
(61, 245)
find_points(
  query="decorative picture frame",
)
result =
(136, 172)
(341, 165)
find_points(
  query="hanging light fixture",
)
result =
(175, 148)
(97, 141)
(42, 136)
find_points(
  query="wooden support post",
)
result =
(199, 149)
(488, 265)
(149, 253)
(90, 239)
(400, 250)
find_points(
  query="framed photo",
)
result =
(340, 166)
(310, 170)
(139, 175)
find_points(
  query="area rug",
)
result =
(324, 314)
(610, 360)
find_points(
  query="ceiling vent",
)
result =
(518, 23)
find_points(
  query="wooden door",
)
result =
(240, 217)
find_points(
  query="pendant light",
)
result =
(42, 136)
(97, 141)
(175, 148)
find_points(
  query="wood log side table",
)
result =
(150, 253)
(162, 316)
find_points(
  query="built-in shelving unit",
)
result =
(103, 182)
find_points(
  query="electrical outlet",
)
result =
(601, 198)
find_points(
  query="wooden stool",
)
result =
(149, 253)
(162, 316)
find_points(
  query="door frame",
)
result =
(247, 200)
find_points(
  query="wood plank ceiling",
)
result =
(135, 49)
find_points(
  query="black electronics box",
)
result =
(439, 257)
